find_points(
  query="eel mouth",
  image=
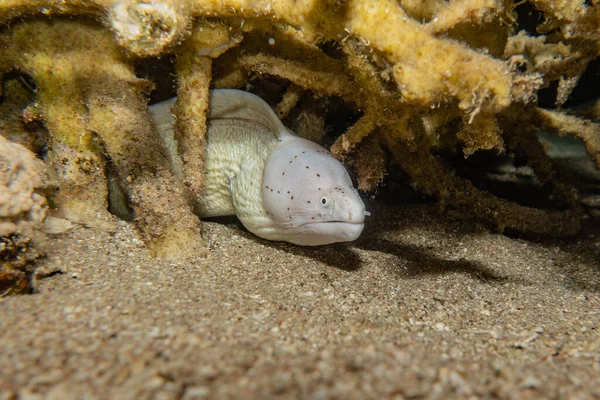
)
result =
(339, 223)
(334, 231)
(350, 223)
(319, 233)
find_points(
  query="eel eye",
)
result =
(325, 202)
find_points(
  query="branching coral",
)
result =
(93, 106)
(421, 77)
(194, 65)
(586, 130)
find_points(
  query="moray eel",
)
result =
(281, 187)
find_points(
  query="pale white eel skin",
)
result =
(282, 187)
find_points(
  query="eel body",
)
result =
(281, 187)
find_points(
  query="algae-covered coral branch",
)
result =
(586, 130)
(414, 52)
(461, 193)
(194, 66)
(94, 107)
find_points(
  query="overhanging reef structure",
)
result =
(420, 77)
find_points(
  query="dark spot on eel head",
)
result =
(292, 198)
(283, 173)
(308, 201)
(319, 175)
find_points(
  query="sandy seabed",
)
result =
(421, 306)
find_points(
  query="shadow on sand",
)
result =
(415, 262)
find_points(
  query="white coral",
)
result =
(21, 174)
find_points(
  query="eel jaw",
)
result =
(323, 233)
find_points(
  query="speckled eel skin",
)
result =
(281, 187)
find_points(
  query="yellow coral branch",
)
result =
(161, 211)
(428, 70)
(58, 67)
(482, 132)
(10, 9)
(449, 188)
(349, 140)
(423, 10)
(289, 100)
(370, 164)
(525, 139)
(587, 131)
(569, 10)
(86, 91)
(194, 62)
(321, 82)
(465, 11)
